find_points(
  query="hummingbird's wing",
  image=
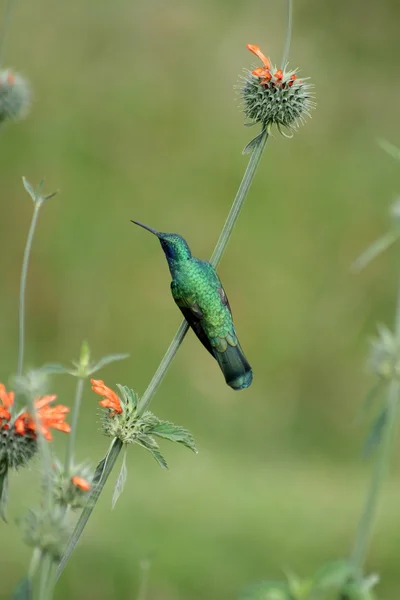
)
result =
(193, 316)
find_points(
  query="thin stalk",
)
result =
(113, 453)
(4, 28)
(288, 39)
(74, 425)
(215, 259)
(368, 517)
(24, 273)
(45, 590)
(144, 579)
(169, 355)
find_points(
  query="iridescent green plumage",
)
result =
(198, 292)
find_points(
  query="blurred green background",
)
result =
(135, 116)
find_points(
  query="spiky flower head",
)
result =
(46, 530)
(71, 490)
(15, 96)
(272, 95)
(18, 432)
(385, 355)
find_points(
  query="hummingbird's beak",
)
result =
(146, 227)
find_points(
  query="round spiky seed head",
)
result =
(16, 450)
(46, 530)
(15, 96)
(275, 96)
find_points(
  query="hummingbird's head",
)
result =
(174, 246)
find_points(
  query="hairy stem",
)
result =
(215, 259)
(368, 517)
(24, 273)
(74, 425)
(112, 455)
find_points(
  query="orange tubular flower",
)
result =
(47, 417)
(6, 402)
(81, 483)
(110, 398)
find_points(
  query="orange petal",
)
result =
(4, 413)
(256, 50)
(6, 398)
(40, 402)
(278, 74)
(81, 483)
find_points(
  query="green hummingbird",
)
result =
(198, 292)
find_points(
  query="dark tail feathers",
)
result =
(236, 369)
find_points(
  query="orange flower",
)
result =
(47, 417)
(6, 402)
(110, 399)
(81, 483)
(264, 73)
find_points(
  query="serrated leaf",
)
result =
(106, 360)
(390, 149)
(151, 445)
(375, 249)
(375, 433)
(24, 590)
(29, 189)
(333, 576)
(121, 481)
(54, 369)
(267, 590)
(129, 395)
(174, 433)
(3, 490)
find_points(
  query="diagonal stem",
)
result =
(215, 259)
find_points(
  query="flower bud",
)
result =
(71, 491)
(15, 96)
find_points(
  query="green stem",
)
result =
(24, 273)
(74, 425)
(45, 588)
(215, 259)
(289, 27)
(4, 28)
(144, 579)
(112, 455)
(368, 517)
(172, 350)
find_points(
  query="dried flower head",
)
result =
(46, 530)
(272, 95)
(15, 96)
(18, 433)
(71, 491)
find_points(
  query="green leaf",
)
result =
(128, 395)
(3, 490)
(24, 590)
(375, 433)
(333, 576)
(390, 148)
(375, 249)
(174, 433)
(121, 481)
(253, 144)
(29, 189)
(106, 360)
(151, 445)
(55, 369)
(267, 590)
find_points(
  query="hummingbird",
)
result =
(198, 292)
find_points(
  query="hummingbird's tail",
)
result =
(236, 369)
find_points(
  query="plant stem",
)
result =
(215, 259)
(4, 27)
(368, 517)
(286, 49)
(144, 579)
(24, 273)
(172, 350)
(111, 457)
(74, 425)
(45, 589)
